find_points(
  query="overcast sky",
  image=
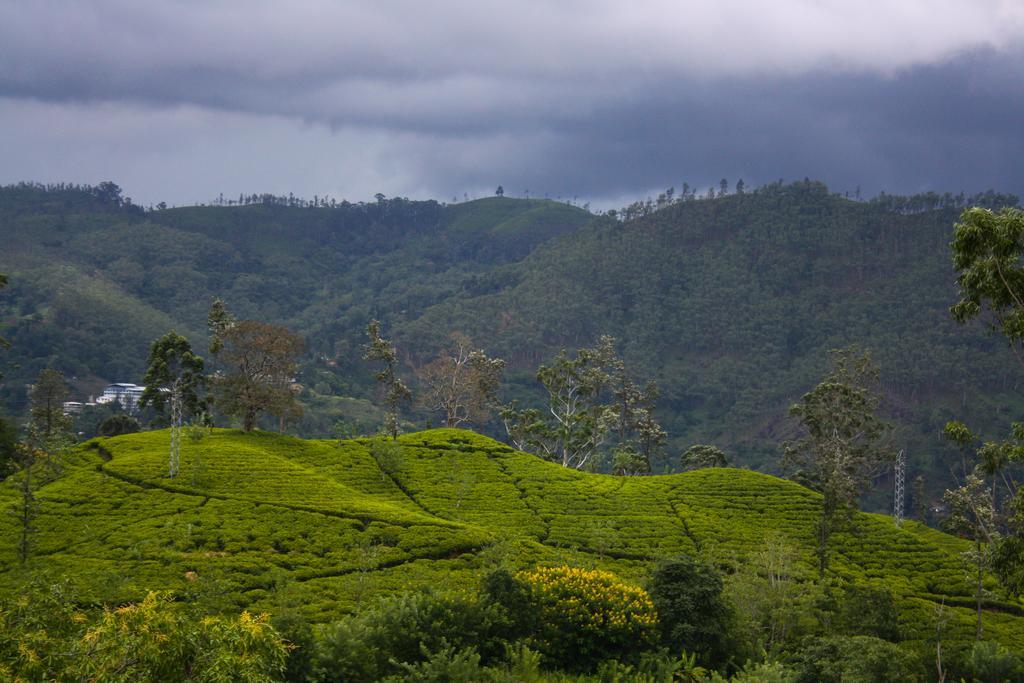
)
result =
(607, 101)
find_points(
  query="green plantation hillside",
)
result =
(264, 522)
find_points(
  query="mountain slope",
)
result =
(260, 520)
(731, 304)
(93, 283)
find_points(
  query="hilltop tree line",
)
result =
(890, 203)
(110, 193)
(105, 193)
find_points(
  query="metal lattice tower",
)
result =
(175, 429)
(901, 477)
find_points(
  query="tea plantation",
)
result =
(263, 521)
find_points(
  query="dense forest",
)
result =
(730, 302)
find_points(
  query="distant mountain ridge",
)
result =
(730, 303)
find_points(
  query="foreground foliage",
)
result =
(44, 636)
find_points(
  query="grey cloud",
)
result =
(594, 99)
(317, 58)
(947, 128)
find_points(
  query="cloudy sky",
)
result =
(179, 100)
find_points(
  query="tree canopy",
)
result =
(3, 342)
(381, 350)
(49, 426)
(260, 361)
(577, 422)
(840, 446)
(987, 250)
(703, 455)
(985, 505)
(173, 367)
(591, 401)
(461, 382)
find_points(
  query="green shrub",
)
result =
(45, 636)
(990, 662)
(446, 666)
(868, 611)
(763, 672)
(774, 603)
(37, 630)
(856, 659)
(652, 667)
(687, 594)
(156, 641)
(118, 424)
(514, 600)
(405, 630)
(298, 634)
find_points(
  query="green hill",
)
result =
(92, 283)
(732, 305)
(262, 521)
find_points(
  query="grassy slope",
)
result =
(262, 520)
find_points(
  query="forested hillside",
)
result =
(729, 303)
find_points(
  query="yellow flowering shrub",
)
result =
(156, 640)
(584, 616)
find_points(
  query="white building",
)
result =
(73, 407)
(126, 394)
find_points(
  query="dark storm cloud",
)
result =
(949, 127)
(595, 99)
